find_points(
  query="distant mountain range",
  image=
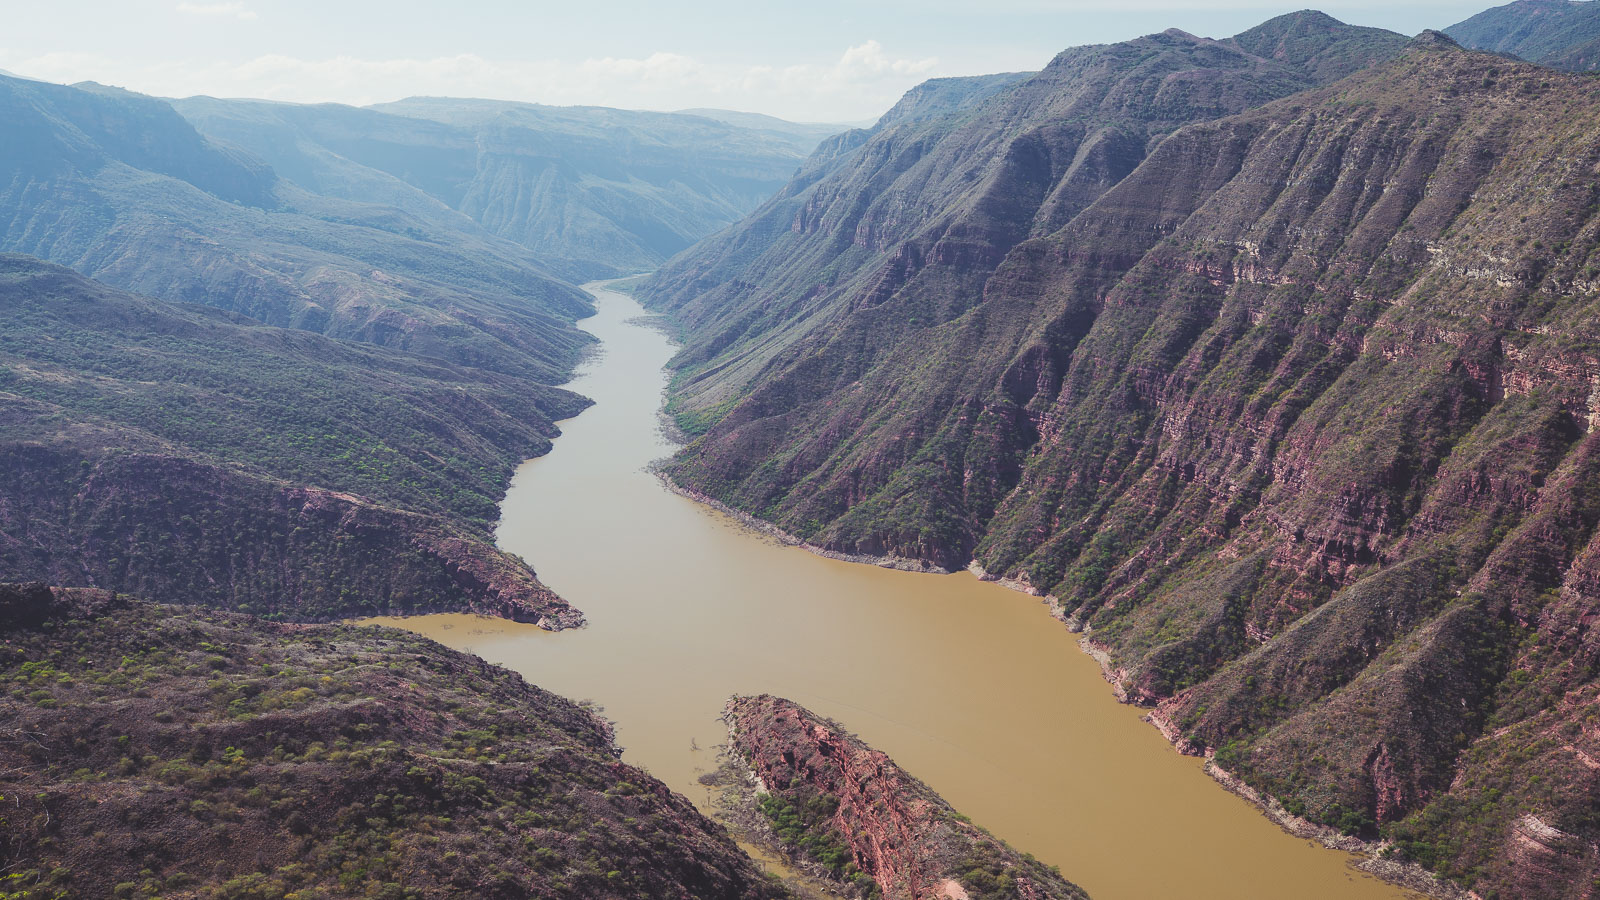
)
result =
(1563, 34)
(590, 192)
(345, 221)
(121, 188)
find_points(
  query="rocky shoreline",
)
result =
(1407, 875)
(734, 790)
(900, 563)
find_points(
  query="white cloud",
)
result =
(861, 82)
(218, 10)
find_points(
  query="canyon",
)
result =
(1290, 410)
(1264, 369)
(969, 687)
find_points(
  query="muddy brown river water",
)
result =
(969, 686)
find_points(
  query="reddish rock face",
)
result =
(312, 554)
(897, 831)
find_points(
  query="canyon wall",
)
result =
(1295, 417)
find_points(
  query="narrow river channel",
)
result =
(969, 686)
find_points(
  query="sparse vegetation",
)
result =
(314, 761)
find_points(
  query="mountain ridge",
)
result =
(1559, 33)
(878, 231)
(100, 180)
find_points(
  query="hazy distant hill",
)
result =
(1558, 33)
(590, 191)
(120, 187)
(810, 131)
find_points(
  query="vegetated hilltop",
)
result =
(1299, 417)
(151, 750)
(181, 452)
(1560, 33)
(591, 192)
(123, 189)
(837, 805)
(896, 230)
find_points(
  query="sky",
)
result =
(804, 60)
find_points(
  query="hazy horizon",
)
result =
(839, 64)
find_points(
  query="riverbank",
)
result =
(899, 563)
(846, 811)
(1375, 861)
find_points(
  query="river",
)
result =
(969, 686)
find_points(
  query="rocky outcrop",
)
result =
(833, 800)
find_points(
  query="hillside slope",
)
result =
(1298, 418)
(590, 192)
(119, 187)
(899, 231)
(1563, 34)
(150, 750)
(177, 451)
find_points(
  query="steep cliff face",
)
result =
(173, 451)
(123, 189)
(1298, 417)
(832, 799)
(1563, 34)
(240, 758)
(899, 234)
